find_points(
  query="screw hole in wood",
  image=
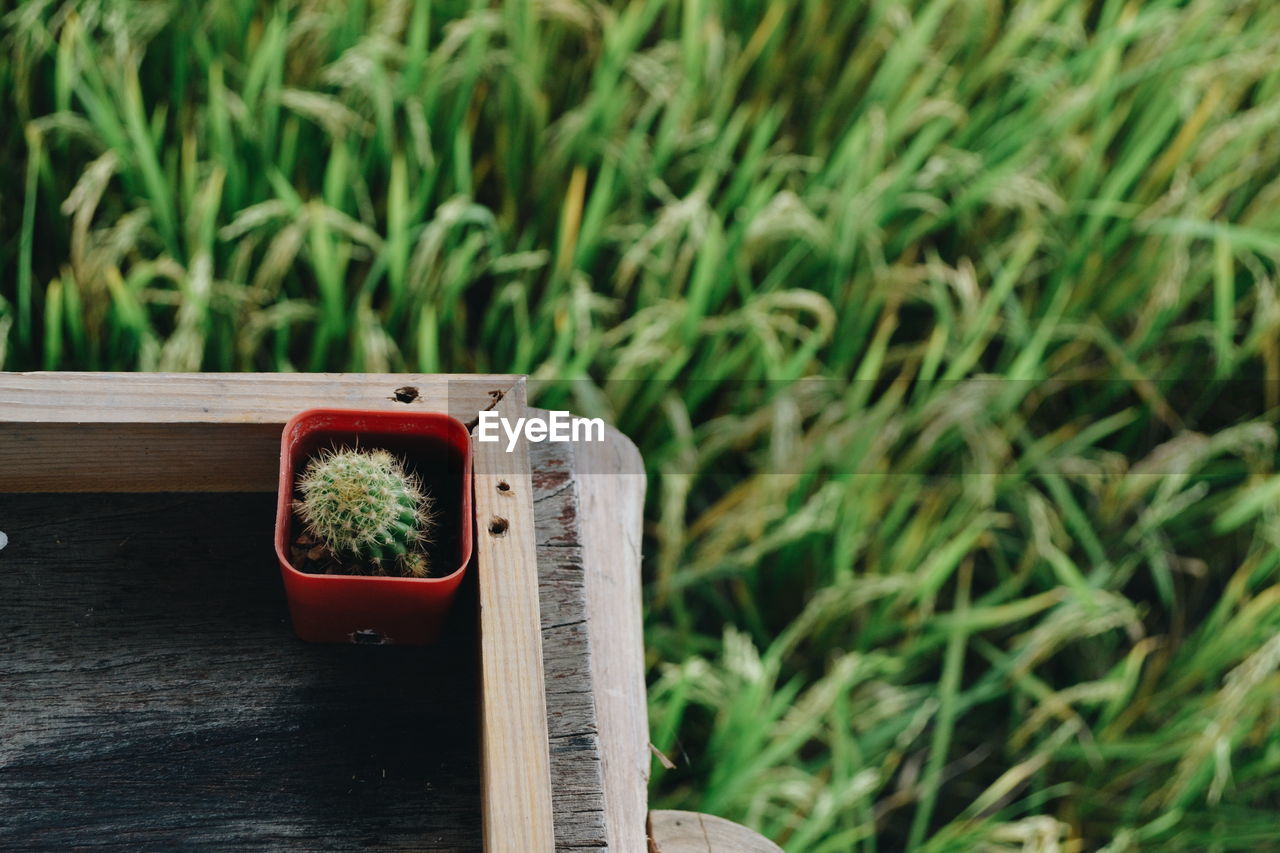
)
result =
(498, 526)
(405, 394)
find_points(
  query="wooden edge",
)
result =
(577, 784)
(261, 398)
(611, 487)
(166, 432)
(515, 752)
(673, 831)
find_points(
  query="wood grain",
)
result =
(690, 832)
(611, 482)
(147, 432)
(263, 398)
(153, 696)
(577, 791)
(517, 813)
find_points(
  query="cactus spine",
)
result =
(364, 504)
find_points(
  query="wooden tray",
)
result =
(211, 433)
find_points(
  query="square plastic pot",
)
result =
(375, 609)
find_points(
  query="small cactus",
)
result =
(364, 504)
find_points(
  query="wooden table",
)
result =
(152, 694)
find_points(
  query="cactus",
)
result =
(364, 504)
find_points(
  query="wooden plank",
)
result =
(690, 832)
(577, 795)
(264, 398)
(139, 457)
(153, 696)
(514, 749)
(611, 482)
(140, 432)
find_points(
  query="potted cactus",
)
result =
(373, 523)
(364, 512)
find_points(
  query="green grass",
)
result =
(949, 329)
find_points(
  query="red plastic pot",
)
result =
(359, 609)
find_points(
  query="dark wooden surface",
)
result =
(153, 697)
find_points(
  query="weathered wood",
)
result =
(230, 398)
(517, 813)
(149, 432)
(610, 479)
(153, 696)
(690, 832)
(578, 787)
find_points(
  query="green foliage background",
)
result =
(949, 330)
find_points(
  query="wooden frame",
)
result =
(80, 432)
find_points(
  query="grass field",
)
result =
(949, 329)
